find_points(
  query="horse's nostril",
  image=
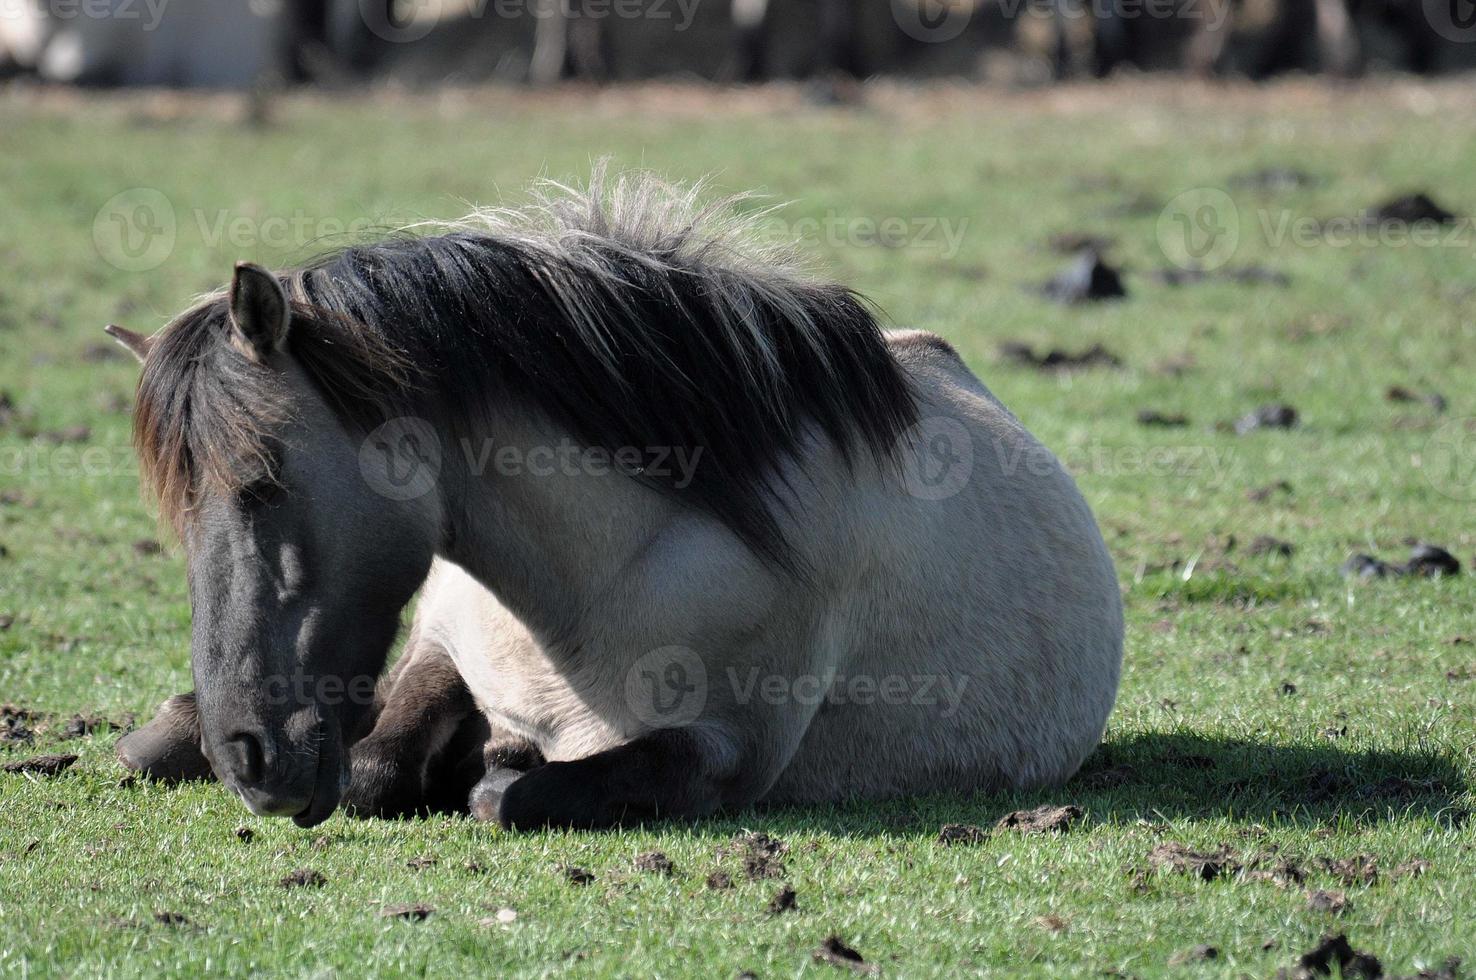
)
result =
(249, 758)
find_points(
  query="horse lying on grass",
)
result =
(855, 525)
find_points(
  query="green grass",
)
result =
(1372, 753)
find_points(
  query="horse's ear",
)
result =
(259, 314)
(137, 344)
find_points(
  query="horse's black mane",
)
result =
(622, 314)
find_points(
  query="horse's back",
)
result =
(984, 601)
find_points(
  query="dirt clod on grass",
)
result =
(1334, 951)
(41, 765)
(1265, 544)
(1361, 869)
(421, 863)
(1087, 279)
(719, 881)
(783, 901)
(414, 912)
(244, 834)
(1194, 954)
(171, 919)
(1327, 900)
(1412, 208)
(303, 878)
(655, 862)
(961, 833)
(835, 952)
(1402, 395)
(1057, 358)
(1153, 418)
(1277, 415)
(577, 876)
(1041, 820)
(762, 855)
(1206, 865)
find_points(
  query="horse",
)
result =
(694, 531)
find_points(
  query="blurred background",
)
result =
(255, 43)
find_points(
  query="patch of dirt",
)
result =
(147, 547)
(1162, 420)
(961, 833)
(1110, 777)
(719, 881)
(783, 901)
(1265, 544)
(1425, 561)
(244, 834)
(1057, 359)
(1248, 275)
(69, 435)
(1206, 865)
(577, 876)
(835, 952)
(762, 855)
(1042, 820)
(15, 724)
(1361, 869)
(41, 765)
(172, 919)
(81, 726)
(415, 912)
(1087, 279)
(1334, 951)
(421, 863)
(1402, 395)
(1410, 209)
(1327, 900)
(1277, 415)
(1259, 495)
(1194, 954)
(655, 862)
(303, 878)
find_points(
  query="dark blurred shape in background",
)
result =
(246, 43)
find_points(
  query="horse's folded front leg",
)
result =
(670, 773)
(167, 748)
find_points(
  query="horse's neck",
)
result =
(543, 525)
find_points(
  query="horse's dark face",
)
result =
(296, 589)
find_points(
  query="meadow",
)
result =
(1293, 751)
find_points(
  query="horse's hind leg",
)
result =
(167, 748)
(423, 753)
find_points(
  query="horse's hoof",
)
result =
(167, 748)
(486, 796)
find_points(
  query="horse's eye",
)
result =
(262, 493)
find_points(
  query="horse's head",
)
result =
(299, 562)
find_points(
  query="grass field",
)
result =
(1292, 723)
